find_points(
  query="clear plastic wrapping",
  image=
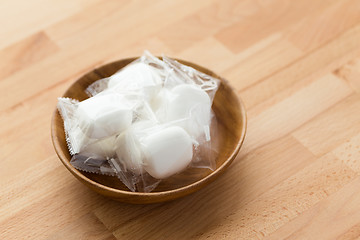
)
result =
(147, 122)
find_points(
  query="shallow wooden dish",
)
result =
(231, 118)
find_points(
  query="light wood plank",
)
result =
(24, 53)
(328, 219)
(150, 18)
(287, 200)
(205, 23)
(277, 16)
(86, 227)
(53, 207)
(349, 153)
(209, 53)
(292, 112)
(21, 19)
(262, 64)
(319, 28)
(327, 58)
(331, 128)
(350, 72)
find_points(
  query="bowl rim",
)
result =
(194, 185)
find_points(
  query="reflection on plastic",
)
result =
(150, 120)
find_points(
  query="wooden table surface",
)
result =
(296, 65)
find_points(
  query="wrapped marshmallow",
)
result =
(160, 104)
(137, 77)
(167, 152)
(188, 105)
(128, 149)
(94, 156)
(104, 115)
(147, 122)
(191, 103)
(103, 148)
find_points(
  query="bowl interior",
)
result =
(229, 132)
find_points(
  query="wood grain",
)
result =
(296, 65)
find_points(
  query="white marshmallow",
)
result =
(128, 147)
(160, 104)
(193, 103)
(102, 148)
(187, 103)
(187, 96)
(167, 151)
(128, 152)
(104, 115)
(137, 77)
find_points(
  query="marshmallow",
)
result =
(160, 104)
(137, 77)
(128, 148)
(187, 104)
(167, 151)
(128, 152)
(186, 97)
(146, 118)
(102, 148)
(104, 115)
(193, 103)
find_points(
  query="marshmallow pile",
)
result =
(148, 119)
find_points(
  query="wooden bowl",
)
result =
(231, 128)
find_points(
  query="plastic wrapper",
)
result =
(147, 122)
(145, 75)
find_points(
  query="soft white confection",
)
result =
(80, 143)
(145, 113)
(128, 152)
(102, 148)
(147, 118)
(167, 151)
(160, 104)
(104, 115)
(137, 77)
(128, 147)
(191, 103)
